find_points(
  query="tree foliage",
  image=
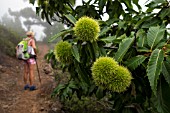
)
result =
(138, 40)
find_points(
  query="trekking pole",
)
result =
(38, 70)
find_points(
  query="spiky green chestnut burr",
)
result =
(121, 81)
(87, 29)
(103, 70)
(62, 51)
(109, 75)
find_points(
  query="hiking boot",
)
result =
(32, 88)
(26, 87)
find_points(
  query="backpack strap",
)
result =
(29, 41)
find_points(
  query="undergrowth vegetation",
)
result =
(8, 40)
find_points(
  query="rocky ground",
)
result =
(14, 99)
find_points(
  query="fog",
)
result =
(17, 5)
(14, 5)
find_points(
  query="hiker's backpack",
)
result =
(23, 50)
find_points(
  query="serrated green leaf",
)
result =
(111, 21)
(95, 48)
(91, 51)
(142, 40)
(71, 18)
(123, 48)
(62, 33)
(134, 62)
(166, 71)
(143, 49)
(119, 39)
(82, 74)
(151, 22)
(141, 21)
(154, 35)
(160, 45)
(154, 68)
(164, 13)
(108, 39)
(99, 93)
(104, 30)
(155, 3)
(121, 25)
(162, 101)
(75, 53)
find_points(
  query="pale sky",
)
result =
(15, 5)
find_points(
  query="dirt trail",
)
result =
(13, 99)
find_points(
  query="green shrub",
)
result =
(9, 39)
(86, 105)
(87, 29)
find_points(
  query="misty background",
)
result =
(20, 16)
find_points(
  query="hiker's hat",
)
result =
(30, 33)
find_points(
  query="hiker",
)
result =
(29, 64)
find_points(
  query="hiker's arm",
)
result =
(16, 48)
